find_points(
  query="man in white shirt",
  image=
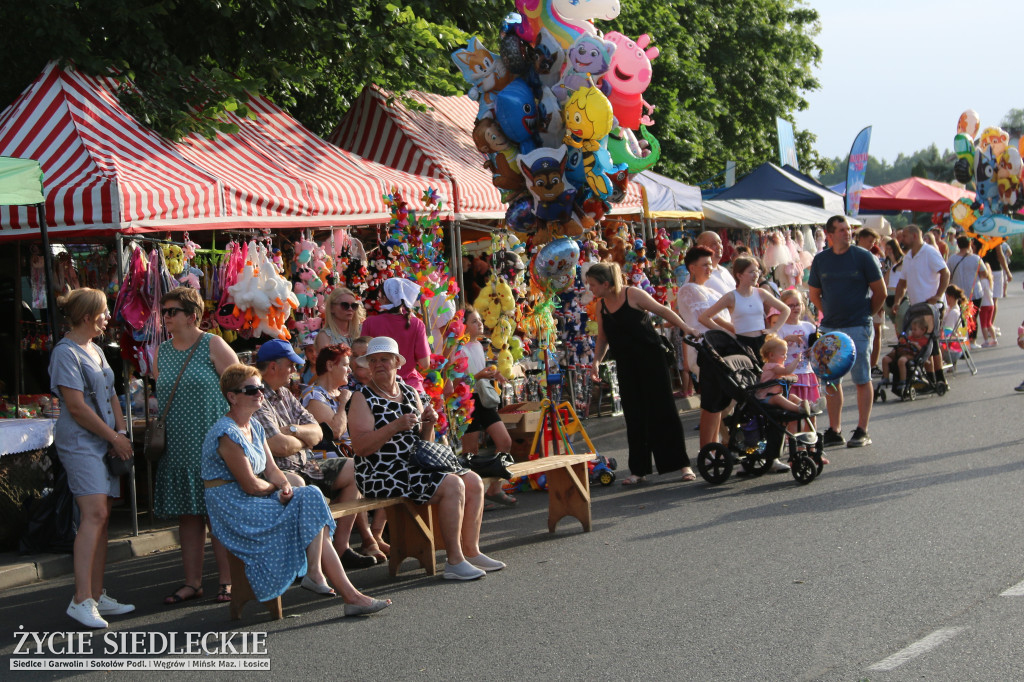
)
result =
(721, 279)
(923, 278)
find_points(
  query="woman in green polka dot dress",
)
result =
(197, 404)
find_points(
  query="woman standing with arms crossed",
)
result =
(652, 422)
(197, 404)
(90, 424)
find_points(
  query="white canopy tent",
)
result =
(764, 213)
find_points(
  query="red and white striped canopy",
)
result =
(435, 143)
(105, 172)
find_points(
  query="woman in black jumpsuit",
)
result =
(652, 422)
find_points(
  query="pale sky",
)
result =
(908, 68)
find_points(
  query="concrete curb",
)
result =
(34, 568)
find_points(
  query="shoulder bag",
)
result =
(431, 456)
(156, 432)
(488, 393)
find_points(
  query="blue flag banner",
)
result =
(856, 167)
(787, 143)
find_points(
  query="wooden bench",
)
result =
(413, 528)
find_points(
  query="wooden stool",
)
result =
(241, 592)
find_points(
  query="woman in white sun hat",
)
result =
(386, 422)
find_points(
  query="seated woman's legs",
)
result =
(451, 502)
(344, 489)
(502, 443)
(473, 513)
(336, 572)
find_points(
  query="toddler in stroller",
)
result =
(913, 355)
(757, 430)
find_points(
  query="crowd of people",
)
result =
(257, 463)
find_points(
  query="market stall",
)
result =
(912, 194)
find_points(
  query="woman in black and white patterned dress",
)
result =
(386, 422)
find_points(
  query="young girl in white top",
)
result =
(987, 310)
(746, 305)
(798, 333)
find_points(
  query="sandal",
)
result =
(375, 551)
(689, 477)
(633, 480)
(224, 593)
(176, 598)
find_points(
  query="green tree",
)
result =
(1013, 123)
(727, 68)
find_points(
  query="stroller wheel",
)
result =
(941, 388)
(910, 393)
(881, 395)
(756, 463)
(714, 463)
(804, 470)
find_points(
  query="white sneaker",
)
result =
(779, 467)
(485, 563)
(462, 571)
(108, 606)
(86, 613)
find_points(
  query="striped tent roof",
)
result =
(105, 172)
(435, 143)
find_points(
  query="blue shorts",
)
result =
(862, 337)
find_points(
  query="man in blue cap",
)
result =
(291, 432)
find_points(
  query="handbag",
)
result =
(156, 433)
(116, 466)
(494, 465)
(487, 393)
(430, 456)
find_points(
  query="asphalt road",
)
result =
(889, 566)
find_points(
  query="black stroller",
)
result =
(756, 430)
(918, 380)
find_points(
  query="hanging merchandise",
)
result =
(228, 315)
(264, 299)
(37, 278)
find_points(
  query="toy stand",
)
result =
(556, 430)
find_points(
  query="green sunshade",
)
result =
(21, 182)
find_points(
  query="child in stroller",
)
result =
(905, 351)
(920, 376)
(775, 372)
(757, 430)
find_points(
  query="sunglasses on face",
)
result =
(171, 312)
(251, 390)
(345, 305)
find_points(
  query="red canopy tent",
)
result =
(107, 173)
(912, 194)
(436, 143)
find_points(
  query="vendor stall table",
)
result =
(25, 435)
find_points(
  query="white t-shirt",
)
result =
(963, 272)
(802, 329)
(921, 273)
(721, 280)
(476, 360)
(694, 299)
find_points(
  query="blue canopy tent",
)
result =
(772, 197)
(668, 198)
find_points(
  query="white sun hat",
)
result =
(380, 344)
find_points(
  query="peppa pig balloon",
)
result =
(629, 75)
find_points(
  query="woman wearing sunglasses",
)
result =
(197, 404)
(279, 532)
(343, 319)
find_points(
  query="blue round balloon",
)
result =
(554, 266)
(832, 356)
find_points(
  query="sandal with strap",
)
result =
(224, 593)
(176, 598)
(375, 551)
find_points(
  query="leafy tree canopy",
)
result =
(727, 68)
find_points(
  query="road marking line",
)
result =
(917, 648)
(1015, 591)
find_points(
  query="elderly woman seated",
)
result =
(386, 423)
(276, 530)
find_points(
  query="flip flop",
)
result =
(689, 478)
(633, 480)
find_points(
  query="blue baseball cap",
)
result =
(277, 349)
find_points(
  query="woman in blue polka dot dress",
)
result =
(277, 531)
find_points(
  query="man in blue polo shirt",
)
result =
(846, 285)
